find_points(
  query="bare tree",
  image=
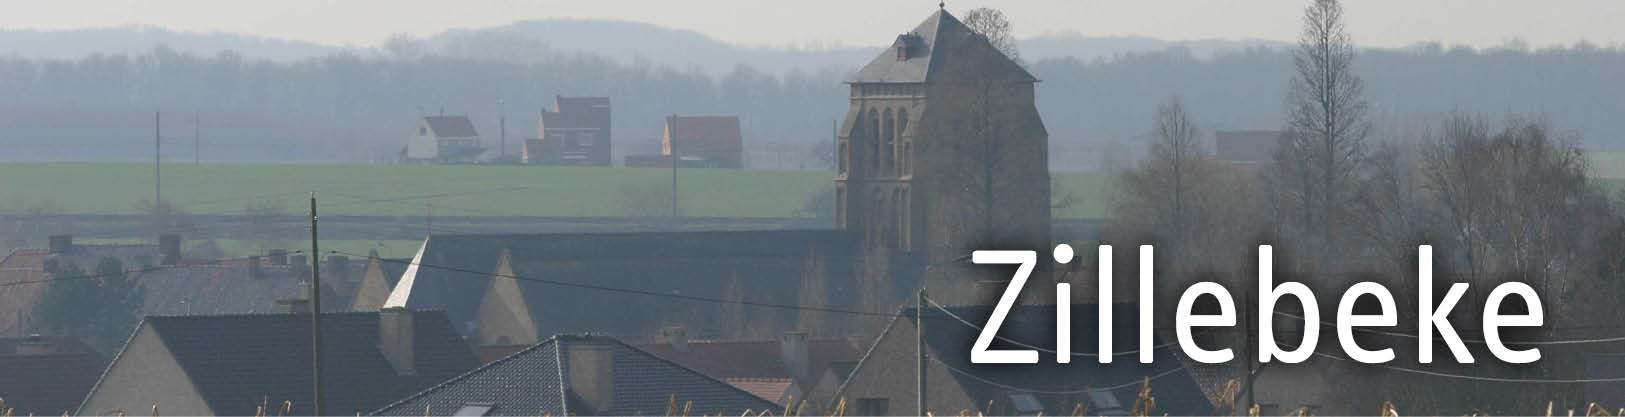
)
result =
(1327, 126)
(992, 24)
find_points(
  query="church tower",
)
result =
(942, 150)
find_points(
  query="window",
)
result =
(423, 131)
(1026, 404)
(872, 407)
(475, 409)
(586, 139)
(842, 156)
(890, 145)
(874, 137)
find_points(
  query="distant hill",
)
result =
(625, 42)
(134, 40)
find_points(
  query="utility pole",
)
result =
(157, 162)
(315, 309)
(835, 144)
(502, 125)
(919, 345)
(671, 134)
(197, 140)
(428, 219)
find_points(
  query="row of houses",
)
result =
(233, 338)
(577, 131)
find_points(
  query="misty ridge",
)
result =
(90, 94)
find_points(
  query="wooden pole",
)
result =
(316, 310)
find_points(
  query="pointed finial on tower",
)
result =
(942, 5)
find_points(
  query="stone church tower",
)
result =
(943, 151)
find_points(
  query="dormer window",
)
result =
(902, 52)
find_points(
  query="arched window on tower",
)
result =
(902, 155)
(889, 145)
(874, 137)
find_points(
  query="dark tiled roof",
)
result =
(237, 361)
(936, 42)
(1176, 392)
(451, 126)
(754, 359)
(50, 383)
(1605, 366)
(465, 263)
(230, 288)
(535, 381)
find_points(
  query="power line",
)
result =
(1481, 342)
(638, 291)
(1112, 387)
(1474, 377)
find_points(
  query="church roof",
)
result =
(936, 42)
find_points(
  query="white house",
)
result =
(444, 139)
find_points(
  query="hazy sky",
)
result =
(853, 22)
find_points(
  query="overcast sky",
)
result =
(851, 22)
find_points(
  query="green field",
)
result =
(465, 190)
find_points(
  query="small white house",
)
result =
(444, 139)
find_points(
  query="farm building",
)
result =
(701, 142)
(575, 132)
(444, 139)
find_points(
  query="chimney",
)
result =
(279, 256)
(793, 354)
(299, 264)
(304, 290)
(677, 336)
(395, 339)
(34, 344)
(169, 249)
(592, 373)
(61, 244)
(254, 266)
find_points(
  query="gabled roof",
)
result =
(454, 271)
(937, 42)
(536, 381)
(451, 126)
(237, 361)
(949, 339)
(49, 383)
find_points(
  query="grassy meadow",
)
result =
(458, 190)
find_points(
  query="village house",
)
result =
(887, 381)
(46, 375)
(237, 364)
(701, 142)
(575, 132)
(581, 375)
(443, 139)
(378, 278)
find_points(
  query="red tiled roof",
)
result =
(771, 389)
(22, 265)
